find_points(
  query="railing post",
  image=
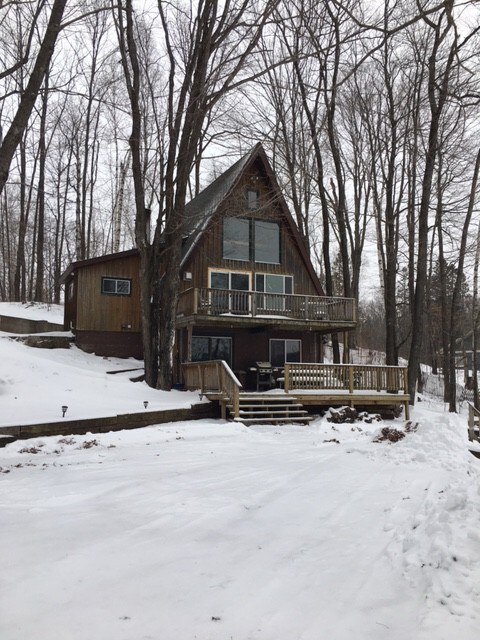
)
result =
(253, 303)
(236, 401)
(201, 378)
(195, 301)
(286, 375)
(220, 377)
(350, 378)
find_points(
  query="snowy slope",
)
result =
(35, 383)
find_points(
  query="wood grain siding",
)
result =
(111, 343)
(102, 312)
(208, 253)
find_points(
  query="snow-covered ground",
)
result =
(33, 311)
(210, 530)
(35, 383)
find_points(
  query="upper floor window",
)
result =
(116, 286)
(252, 199)
(236, 239)
(273, 283)
(257, 240)
(267, 242)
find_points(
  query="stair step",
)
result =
(282, 397)
(295, 412)
(273, 406)
(302, 419)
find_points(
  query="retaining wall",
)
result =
(112, 423)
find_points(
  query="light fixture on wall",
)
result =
(145, 403)
(64, 410)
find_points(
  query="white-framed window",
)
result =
(282, 351)
(116, 286)
(231, 295)
(273, 283)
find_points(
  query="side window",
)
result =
(116, 286)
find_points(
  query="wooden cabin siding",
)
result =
(102, 312)
(251, 346)
(110, 343)
(207, 255)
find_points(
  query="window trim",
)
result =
(230, 299)
(116, 292)
(275, 303)
(277, 275)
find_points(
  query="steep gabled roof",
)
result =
(200, 211)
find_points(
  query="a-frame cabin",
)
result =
(249, 292)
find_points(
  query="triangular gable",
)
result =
(200, 211)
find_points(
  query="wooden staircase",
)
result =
(261, 408)
(216, 380)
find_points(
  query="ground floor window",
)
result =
(282, 351)
(211, 348)
(116, 286)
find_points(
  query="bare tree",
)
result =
(446, 46)
(13, 136)
(207, 50)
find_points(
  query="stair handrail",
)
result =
(214, 376)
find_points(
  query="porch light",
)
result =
(64, 410)
(145, 403)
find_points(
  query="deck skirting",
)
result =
(353, 399)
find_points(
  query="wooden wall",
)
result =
(102, 312)
(208, 252)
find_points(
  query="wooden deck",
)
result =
(218, 307)
(314, 384)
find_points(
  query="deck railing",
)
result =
(345, 377)
(215, 377)
(205, 301)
